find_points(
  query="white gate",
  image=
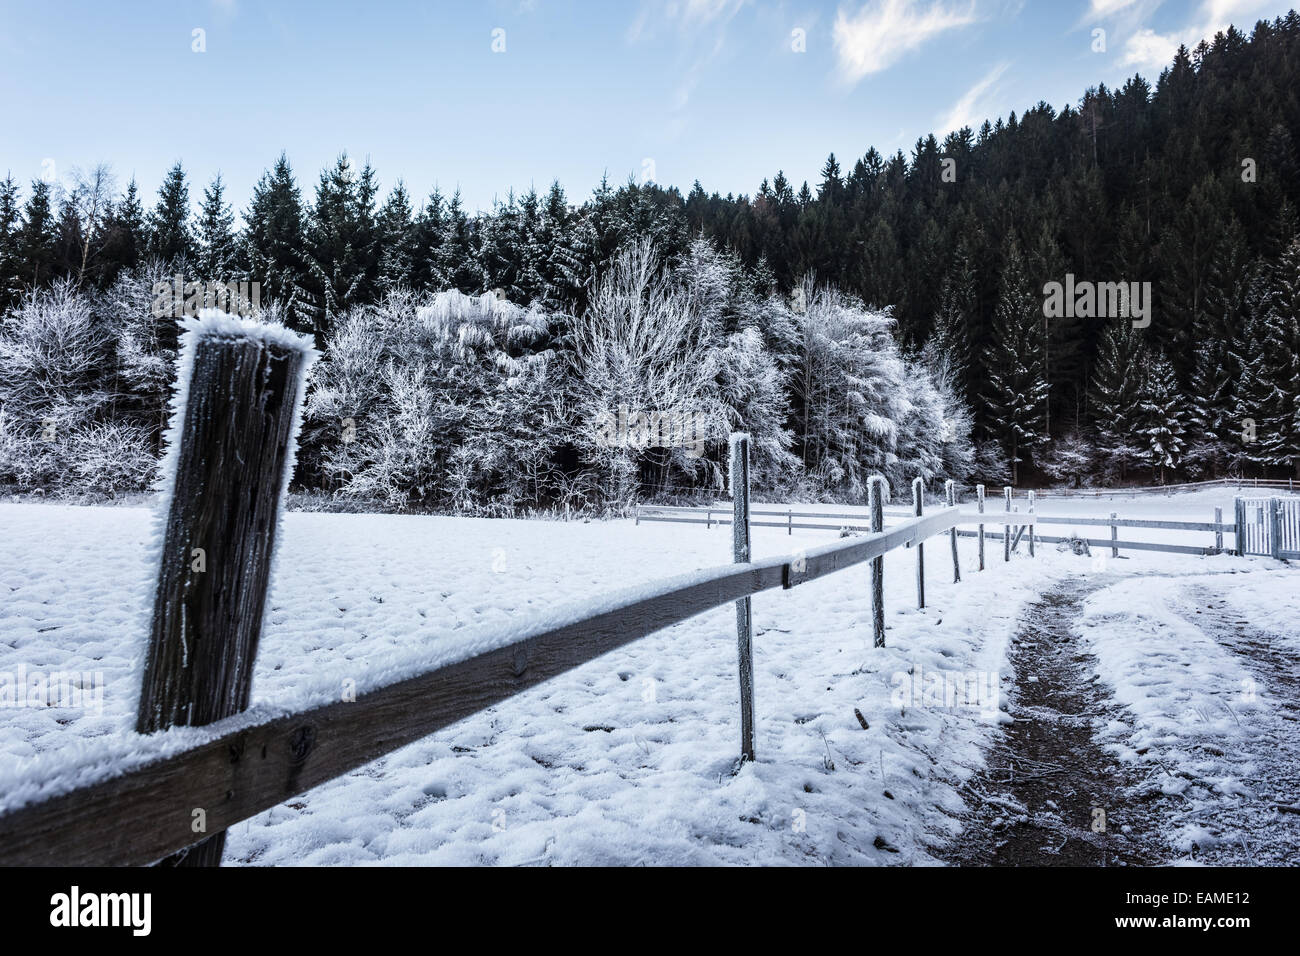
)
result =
(1269, 526)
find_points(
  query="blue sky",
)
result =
(713, 90)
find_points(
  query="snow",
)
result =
(1202, 714)
(540, 778)
(631, 758)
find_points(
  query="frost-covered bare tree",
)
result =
(642, 349)
(92, 199)
(451, 399)
(55, 353)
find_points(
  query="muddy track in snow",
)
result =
(1049, 795)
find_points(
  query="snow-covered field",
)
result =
(629, 759)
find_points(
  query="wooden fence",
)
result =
(1240, 484)
(244, 763)
(1019, 526)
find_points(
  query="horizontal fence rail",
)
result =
(249, 769)
(1287, 484)
(1110, 543)
(1023, 524)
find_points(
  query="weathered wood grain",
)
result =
(210, 598)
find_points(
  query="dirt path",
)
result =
(1049, 795)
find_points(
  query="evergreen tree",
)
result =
(273, 242)
(1278, 368)
(952, 322)
(1116, 391)
(1215, 371)
(11, 261)
(563, 271)
(426, 253)
(1162, 417)
(216, 236)
(38, 237)
(457, 256)
(339, 242)
(171, 238)
(125, 238)
(397, 240)
(1016, 390)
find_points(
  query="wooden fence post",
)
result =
(1218, 532)
(1239, 524)
(979, 492)
(1274, 529)
(875, 496)
(744, 610)
(1031, 523)
(918, 506)
(951, 492)
(1114, 536)
(230, 449)
(1006, 531)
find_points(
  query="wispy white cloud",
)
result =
(1101, 9)
(682, 15)
(883, 31)
(699, 12)
(973, 107)
(698, 27)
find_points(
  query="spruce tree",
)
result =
(952, 322)
(563, 270)
(1162, 417)
(397, 240)
(1017, 390)
(457, 256)
(273, 243)
(429, 229)
(1278, 370)
(10, 252)
(125, 238)
(38, 237)
(1215, 371)
(1116, 392)
(171, 238)
(216, 236)
(339, 243)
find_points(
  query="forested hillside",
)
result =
(888, 317)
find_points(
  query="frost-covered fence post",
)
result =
(1006, 531)
(951, 490)
(1218, 531)
(1031, 523)
(1239, 524)
(744, 610)
(789, 521)
(230, 456)
(875, 497)
(979, 493)
(1114, 536)
(1274, 529)
(918, 494)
